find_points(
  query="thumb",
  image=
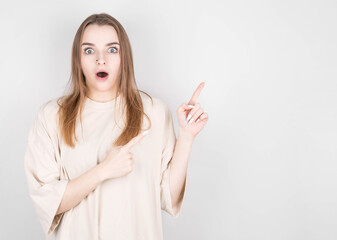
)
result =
(134, 141)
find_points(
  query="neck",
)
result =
(102, 96)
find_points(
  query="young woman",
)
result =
(91, 171)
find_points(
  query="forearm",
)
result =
(179, 163)
(78, 188)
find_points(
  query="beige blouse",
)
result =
(124, 208)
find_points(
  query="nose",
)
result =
(101, 61)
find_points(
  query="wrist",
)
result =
(101, 172)
(186, 135)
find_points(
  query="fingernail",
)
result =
(191, 106)
(198, 120)
(188, 117)
(190, 121)
(144, 133)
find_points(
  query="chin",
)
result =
(103, 89)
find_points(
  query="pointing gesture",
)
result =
(119, 161)
(127, 147)
(191, 116)
(196, 94)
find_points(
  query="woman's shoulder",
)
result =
(45, 120)
(154, 103)
(49, 107)
(48, 111)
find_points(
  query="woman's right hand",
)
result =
(119, 160)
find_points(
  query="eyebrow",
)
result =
(91, 44)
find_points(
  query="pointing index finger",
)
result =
(134, 141)
(196, 94)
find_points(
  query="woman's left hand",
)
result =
(191, 116)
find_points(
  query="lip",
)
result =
(100, 78)
(101, 71)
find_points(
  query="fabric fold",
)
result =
(43, 173)
(167, 154)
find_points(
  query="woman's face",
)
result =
(100, 53)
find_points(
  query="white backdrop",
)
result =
(265, 165)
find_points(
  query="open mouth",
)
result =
(102, 74)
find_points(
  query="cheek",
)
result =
(116, 63)
(85, 65)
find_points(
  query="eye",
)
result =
(88, 50)
(115, 50)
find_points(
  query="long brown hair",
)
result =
(71, 105)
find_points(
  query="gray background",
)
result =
(264, 167)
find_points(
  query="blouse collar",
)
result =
(102, 105)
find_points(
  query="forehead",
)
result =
(99, 34)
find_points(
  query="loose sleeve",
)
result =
(42, 172)
(167, 154)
